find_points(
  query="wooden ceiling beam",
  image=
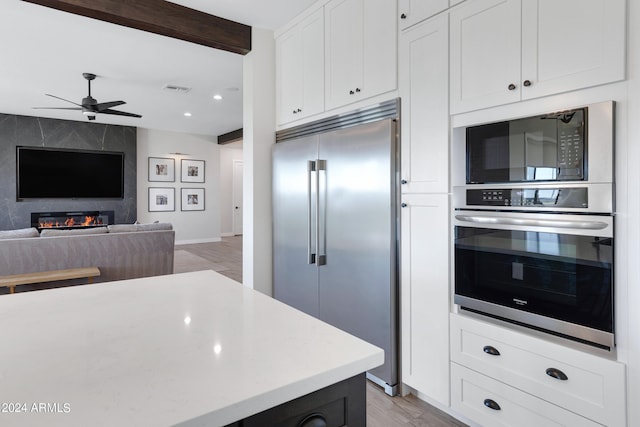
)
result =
(164, 18)
(230, 137)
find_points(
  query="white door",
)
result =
(237, 197)
(571, 44)
(485, 54)
(343, 52)
(424, 90)
(425, 294)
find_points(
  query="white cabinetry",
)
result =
(424, 61)
(300, 70)
(360, 50)
(413, 11)
(508, 50)
(425, 294)
(526, 376)
(423, 65)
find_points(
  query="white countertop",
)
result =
(162, 350)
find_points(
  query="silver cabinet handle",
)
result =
(582, 225)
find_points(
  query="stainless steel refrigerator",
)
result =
(335, 227)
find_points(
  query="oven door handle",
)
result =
(580, 225)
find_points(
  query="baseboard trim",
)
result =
(193, 241)
(228, 234)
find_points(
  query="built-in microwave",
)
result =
(560, 146)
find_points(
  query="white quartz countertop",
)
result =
(189, 349)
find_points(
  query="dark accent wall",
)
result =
(41, 132)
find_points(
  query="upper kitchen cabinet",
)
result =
(300, 70)
(413, 11)
(424, 84)
(505, 51)
(360, 50)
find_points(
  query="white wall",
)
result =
(190, 226)
(228, 154)
(259, 136)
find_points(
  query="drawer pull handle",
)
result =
(491, 350)
(557, 374)
(492, 404)
(313, 420)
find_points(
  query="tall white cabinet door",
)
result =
(424, 66)
(425, 294)
(289, 76)
(300, 70)
(313, 64)
(380, 47)
(413, 11)
(360, 50)
(343, 51)
(571, 44)
(485, 54)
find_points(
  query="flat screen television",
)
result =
(56, 173)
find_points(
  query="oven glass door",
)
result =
(561, 276)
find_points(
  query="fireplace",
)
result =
(69, 220)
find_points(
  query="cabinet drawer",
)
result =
(580, 382)
(492, 403)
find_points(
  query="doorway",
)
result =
(236, 215)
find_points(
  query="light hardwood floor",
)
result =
(225, 257)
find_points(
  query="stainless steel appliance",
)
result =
(335, 226)
(541, 254)
(560, 146)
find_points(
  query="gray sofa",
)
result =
(119, 251)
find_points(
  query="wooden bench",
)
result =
(48, 276)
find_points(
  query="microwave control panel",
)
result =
(529, 197)
(571, 145)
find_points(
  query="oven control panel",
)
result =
(529, 197)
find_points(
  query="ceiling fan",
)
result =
(90, 106)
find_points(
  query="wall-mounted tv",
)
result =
(56, 173)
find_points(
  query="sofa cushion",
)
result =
(122, 228)
(50, 232)
(155, 226)
(127, 228)
(20, 233)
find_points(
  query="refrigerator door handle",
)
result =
(311, 225)
(321, 217)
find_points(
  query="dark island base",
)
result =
(340, 404)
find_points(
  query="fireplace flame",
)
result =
(70, 222)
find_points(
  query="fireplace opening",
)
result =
(71, 220)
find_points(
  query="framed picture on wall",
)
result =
(162, 169)
(192, 170)
(162, 199)
(192, 199)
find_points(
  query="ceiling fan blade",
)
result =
(57, 108)
(66, 100)
(106, 105)
(119, 113)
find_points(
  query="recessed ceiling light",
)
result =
(217, 97)
(187, 114)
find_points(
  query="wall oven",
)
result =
(540, 253)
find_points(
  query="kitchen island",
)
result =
(185, 349)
